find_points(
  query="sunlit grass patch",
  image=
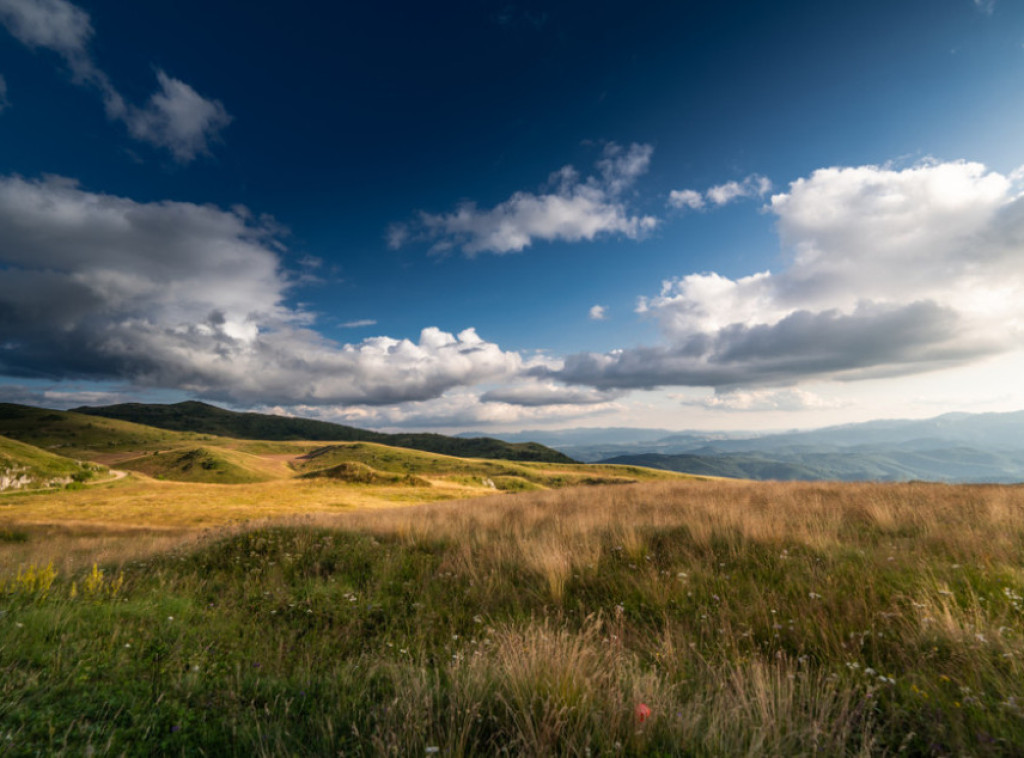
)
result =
(745, 619)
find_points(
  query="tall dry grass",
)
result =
(750, 618)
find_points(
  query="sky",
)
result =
(498, 216)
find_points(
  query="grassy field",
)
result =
(663, 618)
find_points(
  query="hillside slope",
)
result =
(24, 466)
(199, 417)
(76, 436)
(369, 462)
(208, 465)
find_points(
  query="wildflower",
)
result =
(642, 712)
(431, 749)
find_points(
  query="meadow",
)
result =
(676, 617)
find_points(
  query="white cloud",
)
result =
(753, 186)
(52, 24)
(686, 199)
(887, 272)
(359, 323)
(573, 209)
(790, 399)
(985, 6)
(533, 393)
(176, 117)
(458, 409)
(598, 313)
(192, 297)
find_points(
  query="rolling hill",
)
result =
(370, 462)
(204, 458)
(24, 466)
(76, 436)
(208, 465)
(202, 418)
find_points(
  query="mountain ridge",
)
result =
(203, 418)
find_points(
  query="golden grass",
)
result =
(981, 519)
(752, 618)
(138, 501)
(555, 531)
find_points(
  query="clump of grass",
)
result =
(13, 535)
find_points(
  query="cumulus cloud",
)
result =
(53, 24)
(191, 297)
(598, 313)
(176, 117)
(886, 272)
(571, 210)
(754, 185)
(686, 199)
(458, 409)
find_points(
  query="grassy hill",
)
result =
(186, 456)
(199, 464)
(24, 466)
(199, 417)
(371, 459)
(74, 435)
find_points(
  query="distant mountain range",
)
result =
(192, 416)
(956, 447)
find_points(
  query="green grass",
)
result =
(43, 469)
(750, 620)
(199, 464)
(514, 475)
(78, 436)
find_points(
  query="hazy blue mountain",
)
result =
(863, 464)
(956, 447)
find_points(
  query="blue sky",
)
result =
(502, 215)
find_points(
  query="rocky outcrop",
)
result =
(15, 478)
